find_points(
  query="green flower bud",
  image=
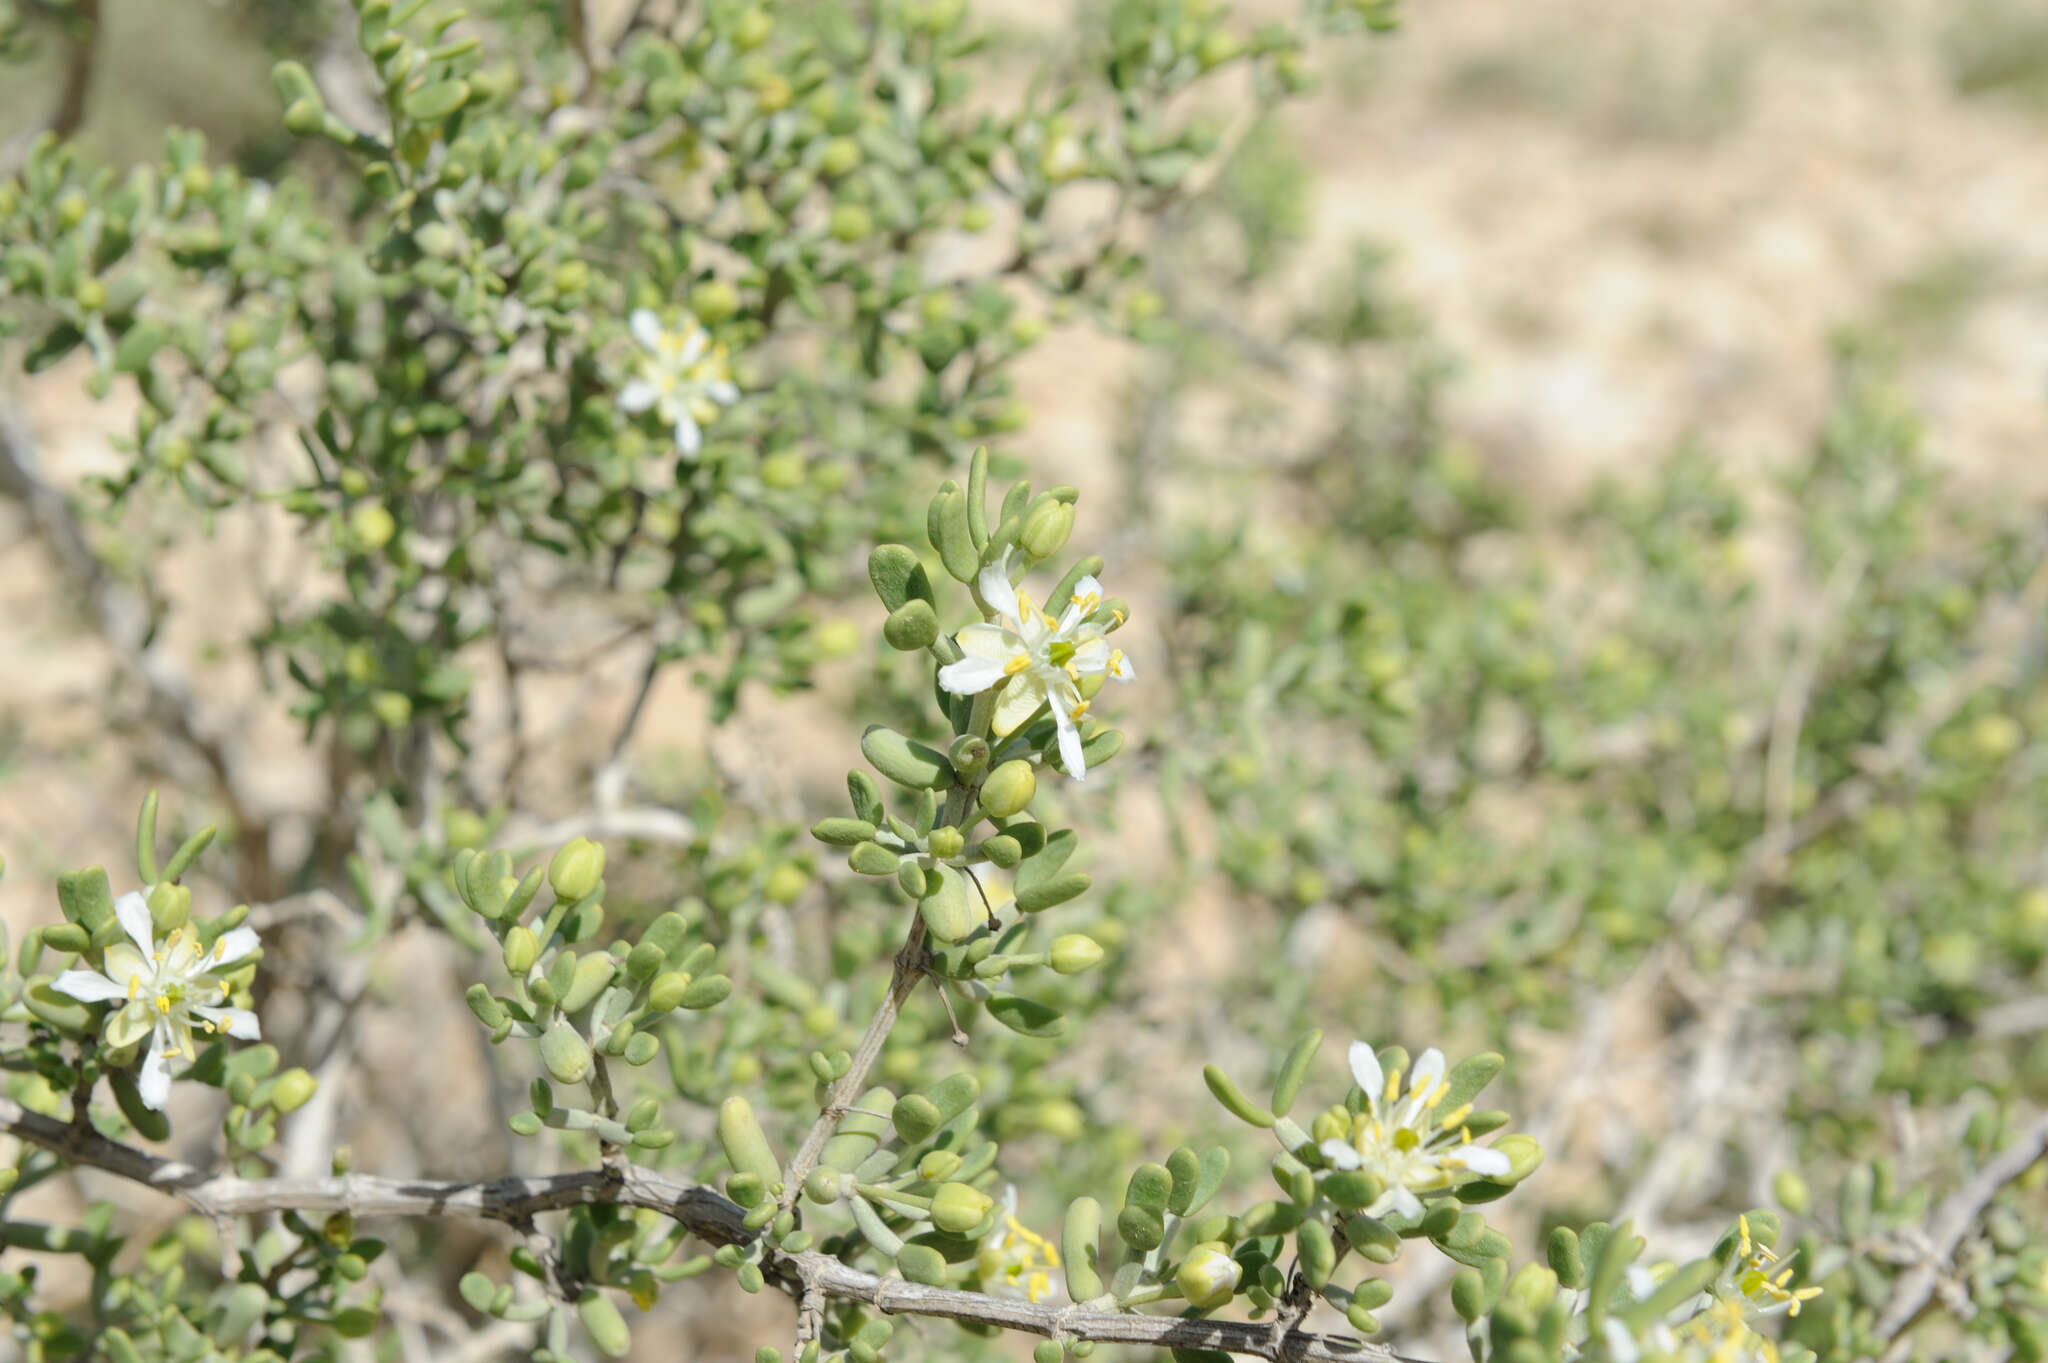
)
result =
(939, 1165)
(851, 222)
(292, 1090)
(1788, 1187)
(1048, 1351)
(1074, 952)
(576, 869)
(170, 906)
(824, 1186)
(958, 1208)
(642, 1048)
(785, 883)
(565, 1053)
(1047, 528)
(714, 300)
(1008, 789)
(946, 843)
(370, 527)
(522, 949)
(841, 156)
(1208, 1277)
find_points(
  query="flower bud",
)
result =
(911, 626)
(1074, 952)
(576, 869)
(946, 843)
(170, 906)
(958, 1208)
(1208, 1277)
(566, 1054)
(1008, 789)
(370, 527)
(824, 1186)
(939, 1165)
(293, 1090)
(522, 948)
(714, 301)
(1046, 529)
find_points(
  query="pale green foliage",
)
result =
(1523, 758)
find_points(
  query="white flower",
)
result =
(1036, 659)
(165, 987)
(1402, 1138)
(1016, 1261)
(683, 377)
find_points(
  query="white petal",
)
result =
(971, 675)
(234, 945)
(718, 390)
(1090, 656)
(154, 1082)
(689, 440)
(1017, 703)
(694, 341)
(1366, 1071)
(994, 582)
(236, 1022)
(1403, 1201)
(1483, 1160)
(638, 396)
(1340, 1154)
(1427, 1071)
(123, 961)
(88, 986)
(133, 911)
(988, 641)
(1621, 1345)
(1070, 743)
(646, 327)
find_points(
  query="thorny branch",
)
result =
(1951, 1222)
(702, 1211)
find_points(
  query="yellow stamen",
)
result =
(1117, 616)
(135, 986)
(225, 990)
(1393, 1086)
(1456, 1116)
(1016, 665)
(1437, 1094)
(1080, 709)
(163, 1003)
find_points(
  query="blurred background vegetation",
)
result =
(1575, 472)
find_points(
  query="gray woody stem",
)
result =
(700, 1210)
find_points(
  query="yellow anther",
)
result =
(1117, 616)
(1025, 610)
(163, 1004)
(1437, 1094)
(1456, 1116)
(1393, 1086)
(1080, 708)
(134, 986)
(1742, 1240)
(1116, 662)
(1016, 665)
(225, 989)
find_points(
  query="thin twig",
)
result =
(910, 967)
(703, 1212)
(1953, 1220)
